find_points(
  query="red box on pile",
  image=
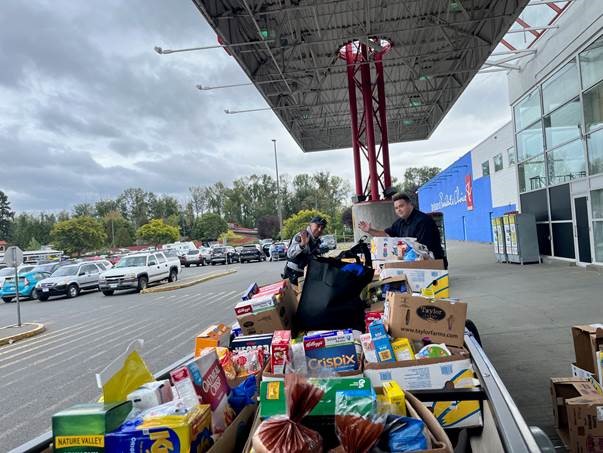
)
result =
(280, 354)
(269, 290)
(371, 316)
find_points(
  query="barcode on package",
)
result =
(385, 375)
(446, 369)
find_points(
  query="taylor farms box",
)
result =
(82, 428)
(434, 374)
(416, 317)
(334, 350)
(280, 351)
(184, 433)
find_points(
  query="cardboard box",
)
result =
(280, 351)
(422, 264)
(585, 420)
(237, 433)
(434, 374)
(436, 282)
(277, 317)
(416, 317)
(212, 337)
(587, 339)
(563, 389)
(82, 428)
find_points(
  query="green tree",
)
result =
(134, 206)
(33, 244)
(104, 207)
(83, 209)
(78, 235)
(298, 222)
(198, 200)
(27, 226)
(346, 217)
(6, 217)
(209, 227)
(119, 231)
(415, 177)
(158, 232)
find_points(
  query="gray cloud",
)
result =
(94, 110)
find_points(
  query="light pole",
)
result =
(278, 192)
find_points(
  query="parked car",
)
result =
(104, 264)
(50, 268)
(27, 286)
(218, 255)
(251, 253)
(194, 257)
(278, 251)
(328, 242)
(6, 272)
(70, 280)
(25, 268)
(114, 259)
(136, 271)
(231, 254)
(265, 245)
(206, 252)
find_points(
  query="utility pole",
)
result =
(278, 192)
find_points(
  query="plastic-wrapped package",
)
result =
(287, 434)
(402, 434)
(225, 358)
(356, 434)
(243, 394)
(248, 362)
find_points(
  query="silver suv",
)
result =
(69, 281)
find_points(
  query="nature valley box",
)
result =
(82, 428)
(416, 317)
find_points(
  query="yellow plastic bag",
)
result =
(124, 374)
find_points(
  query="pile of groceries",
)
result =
(261, 384)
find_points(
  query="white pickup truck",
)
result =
(138, 270)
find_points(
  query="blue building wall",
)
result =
(446, 193)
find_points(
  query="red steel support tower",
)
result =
(369, 123)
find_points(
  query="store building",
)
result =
(480, 185)
(557, 100)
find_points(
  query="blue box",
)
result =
(383, 346)
(249, 292)
(333, 350)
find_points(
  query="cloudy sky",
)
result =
(87, 108)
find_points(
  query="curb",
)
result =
(38, 329)
(186, 284)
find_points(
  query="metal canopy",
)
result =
(290, 50)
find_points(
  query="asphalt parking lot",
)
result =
(56, 369)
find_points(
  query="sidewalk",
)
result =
(12, 333)
(524, 315)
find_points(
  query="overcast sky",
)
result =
(87, 108)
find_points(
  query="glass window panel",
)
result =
(566, 163)
(511, 154)
(531, 174)
(564, 85)
(593, 107)
(598, 230)
(591, 63)
(485, 168)
(563, 240)
(530, 142)
(596, 198)
(498, 162)
(527, 111)
(595, 152)
(563, 125)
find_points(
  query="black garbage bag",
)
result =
(331, 293)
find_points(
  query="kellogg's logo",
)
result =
(430, 313)
(314, 344)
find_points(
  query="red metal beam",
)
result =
(387, 180)
(367, 96)
(524, 24)
(350, 60)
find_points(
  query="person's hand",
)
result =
(364, 226)
(303, 239)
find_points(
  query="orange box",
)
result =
(212, 337)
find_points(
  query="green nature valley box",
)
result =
(82, 428)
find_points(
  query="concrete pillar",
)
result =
(380, 214)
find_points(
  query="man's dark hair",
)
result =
(401, 196)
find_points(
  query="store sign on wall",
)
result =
(469, 192)
(456, 197)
